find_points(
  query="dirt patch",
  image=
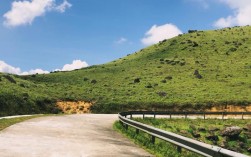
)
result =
(78, 107)
(230, 108)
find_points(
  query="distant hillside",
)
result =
(196, 70)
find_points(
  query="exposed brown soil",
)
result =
(78, 107)
(230, 108)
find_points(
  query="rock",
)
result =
(245, 128)
(242, 145)
(249, 149)
(212, 129)
(195, 134)
(223, 144)
(212, 138)
(231, 132)
(249, 127)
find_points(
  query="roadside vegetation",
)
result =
(159, 149)
(232, 134)
(193, 71)
(4, 123)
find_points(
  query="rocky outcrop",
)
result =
(231, 132)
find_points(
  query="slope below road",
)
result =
(68, 136)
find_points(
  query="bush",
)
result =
(137, 80)
(197, 74)
(149, 86)
(93, 81)
(195, 44)
(162, 94)
(10, 79)
(169, 77)
(192, 31)
(163, 81)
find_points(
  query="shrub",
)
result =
(162, 94)
(163, 81)
(93, 81)
(169, 77)
(149, 86)
(197, 74)
(137, 80)
(182, 63)
(195, 44)
(192, 31)
(233, 49)
(10, 79)
(22, 85)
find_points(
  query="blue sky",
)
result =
(38, 36)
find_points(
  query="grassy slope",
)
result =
(186, 127)
(222, 57)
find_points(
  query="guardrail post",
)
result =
(131, 116)
(153, 139)
(204, 116)
(154, 115)
(222, 115)
(242, 115)
(178, 149)
(185, 115)
(170, 116)
(143, 116)
(137, 131)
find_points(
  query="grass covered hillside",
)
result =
(196, 70)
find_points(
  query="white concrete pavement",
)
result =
(86, 135)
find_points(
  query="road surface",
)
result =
(87, 135)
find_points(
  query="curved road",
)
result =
(87, 135)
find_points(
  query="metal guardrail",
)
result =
(178, 140)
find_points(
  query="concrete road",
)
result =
(87, 135)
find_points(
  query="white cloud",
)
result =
(241, 14)
(24, 12)
(6, 68)
(76, 64)
(159, 33)
(61, 8)
(36, 71)
(121, 40)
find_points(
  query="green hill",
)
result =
(196, 70)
